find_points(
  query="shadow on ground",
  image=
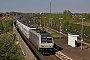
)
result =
(79, 44)
(58, 48)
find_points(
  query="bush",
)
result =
(9, 50)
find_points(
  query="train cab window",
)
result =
(49, 40)
(43, 40)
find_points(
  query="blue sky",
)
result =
(79, 6)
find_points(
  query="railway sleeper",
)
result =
(62, 56)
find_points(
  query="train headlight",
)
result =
(42, 46)
(50, 46)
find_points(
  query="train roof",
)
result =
(40, 31)
(30, 26)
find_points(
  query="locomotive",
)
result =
(42, 40)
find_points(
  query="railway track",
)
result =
(37, 53)
(51, 57)
(63, 33)
(67, 35)
(61, 55)
(56, 31)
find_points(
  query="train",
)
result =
(42, 40)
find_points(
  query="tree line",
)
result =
(6, 25)
(9, 50)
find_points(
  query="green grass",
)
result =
(54, 34)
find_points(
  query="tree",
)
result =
(1, 27)
(67, 15)
(6, 25)
(9, 50)
(87, 17)
(1, 15)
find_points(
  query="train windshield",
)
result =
(46, 39)
(49, 40)
(43, 40)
